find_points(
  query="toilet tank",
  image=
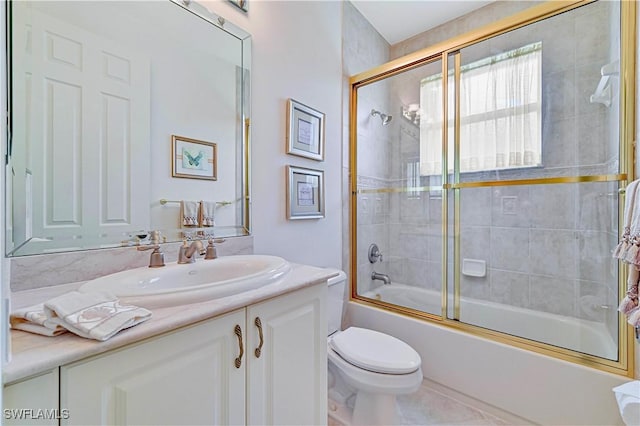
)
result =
(335, 301)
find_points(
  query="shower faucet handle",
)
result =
(374, 253)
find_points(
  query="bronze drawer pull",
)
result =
(258, 350)
(238, 332)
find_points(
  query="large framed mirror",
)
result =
(98, 92)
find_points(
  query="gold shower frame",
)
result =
(444, 51)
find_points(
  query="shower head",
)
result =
(386, 119)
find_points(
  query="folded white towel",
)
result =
(189, 212)
(208, 209)
(96, 315)
(34, 320)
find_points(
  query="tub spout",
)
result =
(382, 277)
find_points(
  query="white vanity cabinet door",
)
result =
(184, 377)
(287, 384)
(32, 401)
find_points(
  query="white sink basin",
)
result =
(177, 284)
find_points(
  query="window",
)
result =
(500, 114)
(413, 178)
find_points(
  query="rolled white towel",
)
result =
(34, 320)
(96, 315)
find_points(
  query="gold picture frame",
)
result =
(193, 158)
(305, 193)
(305, 131)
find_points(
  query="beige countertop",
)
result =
(32, 354)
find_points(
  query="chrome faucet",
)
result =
(186, 254)
(382, 277)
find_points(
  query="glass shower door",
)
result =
(399, 195)
(537, 180)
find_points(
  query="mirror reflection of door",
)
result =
(79, 148)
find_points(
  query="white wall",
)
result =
(296, 53)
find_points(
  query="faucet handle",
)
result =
(154, 237)
(374, 253)
(156, 260)
(211, 252)
(148, 247)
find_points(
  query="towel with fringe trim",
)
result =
(628, 250)
(208, 209)
(189, 212)
(34, 320)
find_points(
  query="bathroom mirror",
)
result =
(98, 91)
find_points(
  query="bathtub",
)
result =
(529, 385)
(577, 334)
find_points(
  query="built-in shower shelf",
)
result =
(474, 267)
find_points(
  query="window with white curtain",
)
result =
(500, 114)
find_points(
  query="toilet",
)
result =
(367, 369)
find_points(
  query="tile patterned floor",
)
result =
(430, 406)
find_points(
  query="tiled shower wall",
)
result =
(546, 247)
(364, 48)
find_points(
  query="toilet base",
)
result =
(369, 409)
(339, 414)
(374, 409)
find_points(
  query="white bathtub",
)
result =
(541, 389)
(577, 334)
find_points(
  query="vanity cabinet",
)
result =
(183, 377)
(287, 382)
(32, 401)
(211, 372)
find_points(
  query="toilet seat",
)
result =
(363, 380)
(375, 351)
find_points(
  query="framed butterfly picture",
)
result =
(193, 159)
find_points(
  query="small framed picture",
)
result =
(305, 131)
(193, 159)
(305, 193)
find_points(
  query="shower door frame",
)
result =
(627, 119)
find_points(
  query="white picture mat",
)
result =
(306, 132)
(305, 193)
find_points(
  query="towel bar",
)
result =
(164, 201)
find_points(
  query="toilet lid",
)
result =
(375, 351)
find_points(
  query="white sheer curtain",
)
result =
(500, 113)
